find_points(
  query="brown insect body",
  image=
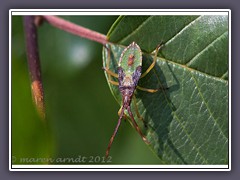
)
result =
(129, 73)
(127, 85)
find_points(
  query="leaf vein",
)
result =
(224, 74)
(183, 29)
(206, 104)
(194, 70)
(204, 49)
(134, 31)
(177, 118)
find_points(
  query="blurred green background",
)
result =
(81, 111)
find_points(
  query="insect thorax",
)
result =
(128, 82)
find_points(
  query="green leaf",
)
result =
(188, 122)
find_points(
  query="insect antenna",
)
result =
(114, 133)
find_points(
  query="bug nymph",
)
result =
(129, 73)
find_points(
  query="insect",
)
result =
(129, 73)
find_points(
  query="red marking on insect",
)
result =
(131, 59)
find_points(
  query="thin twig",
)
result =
(76, 29)
(34, 63)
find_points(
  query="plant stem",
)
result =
(76, 29)
(34, 64)
(30, 26)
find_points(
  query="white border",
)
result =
(118, 167)
(230, 89)
(119, 12)
(10, 89)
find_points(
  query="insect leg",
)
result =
(108, 71)
(119, 113)
(153, 63)
(136, 126)
(136, 108)
(114, 133)
(147, 90)
(113, 82)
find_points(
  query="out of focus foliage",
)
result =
(81, 111)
